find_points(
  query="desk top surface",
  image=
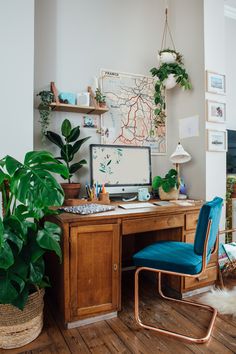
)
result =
(120, 213)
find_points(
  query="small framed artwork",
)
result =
(90, 122)
(217, 140)
(216, 111)
(215, 83)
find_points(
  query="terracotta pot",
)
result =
(233, 195)
(172, 194)
(71, 190)
(102, 104)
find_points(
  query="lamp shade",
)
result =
(180, 155)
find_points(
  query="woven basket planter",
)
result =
(17, 327)
(172, 194)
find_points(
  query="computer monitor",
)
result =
(123, 169)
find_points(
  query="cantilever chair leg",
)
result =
(163, 331)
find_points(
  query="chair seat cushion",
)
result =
(170, 255)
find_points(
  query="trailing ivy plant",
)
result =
(68, 150)
(46, 98)
(162, 73)
(28, 190)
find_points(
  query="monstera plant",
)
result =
(28, 190)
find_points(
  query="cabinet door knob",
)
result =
(203, 277)
(115, 267)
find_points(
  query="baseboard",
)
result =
(90, 320)
(197, 291)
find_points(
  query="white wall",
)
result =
(16, 73)
(230, 50)
(75, 39)
(215, 61)
(187, 25)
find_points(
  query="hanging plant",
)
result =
(170, 72)
(170, 56)
(47, 98)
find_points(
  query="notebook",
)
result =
(86, 209)
(135, 205)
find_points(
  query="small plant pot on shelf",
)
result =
(71, 190)
(102, 104)
(172, 194)
(18, 328)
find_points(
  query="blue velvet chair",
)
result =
(179, 258)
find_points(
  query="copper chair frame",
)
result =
(159, 273)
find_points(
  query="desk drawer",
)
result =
(191, 221)
(209, 276)
(151, 224)
(189, 237)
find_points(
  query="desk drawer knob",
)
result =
(203, 277)
(115, 267)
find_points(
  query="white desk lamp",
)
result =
(179, 156)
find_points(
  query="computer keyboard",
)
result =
(136, 205)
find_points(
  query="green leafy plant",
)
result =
(68, 150)
(230, 183)
(99, 97)
(47, 98)
(28, 190)
(182, 79)
(167, 183)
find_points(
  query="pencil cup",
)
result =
(93, 200)
(104, 198)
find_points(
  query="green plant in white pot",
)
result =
(168, 74)
(168, 186)
(28, 191)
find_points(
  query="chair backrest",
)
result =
(209, 211)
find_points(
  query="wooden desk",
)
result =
(87, 285)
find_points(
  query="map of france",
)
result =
(129, 120)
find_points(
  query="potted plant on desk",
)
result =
(28, 190)
(168, 187)
(67, 153)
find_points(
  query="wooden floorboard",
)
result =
(122, 335)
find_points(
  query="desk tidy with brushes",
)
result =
(94, 194)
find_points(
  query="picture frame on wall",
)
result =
(216, 111)
(217, 140)
(215, 82)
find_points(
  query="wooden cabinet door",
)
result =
(94, 269)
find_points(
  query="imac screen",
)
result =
(120, 165)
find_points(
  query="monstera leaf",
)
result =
(32, 183)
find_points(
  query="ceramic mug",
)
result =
(143, 194)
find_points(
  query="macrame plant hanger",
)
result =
(167, 31)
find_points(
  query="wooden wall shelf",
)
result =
(62, 107)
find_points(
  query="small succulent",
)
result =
(99, 97)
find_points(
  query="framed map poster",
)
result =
(130, 119)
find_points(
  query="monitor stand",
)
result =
(125, 197)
